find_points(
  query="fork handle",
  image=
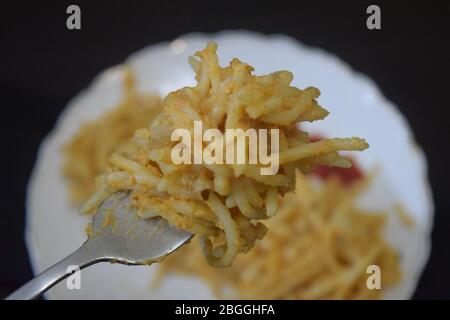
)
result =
(82, 258)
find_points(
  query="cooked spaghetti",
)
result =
(86, 154)
(318, 246)
(221, 203)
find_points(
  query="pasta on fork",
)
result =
(222, 203)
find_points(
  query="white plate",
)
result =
(54, 229)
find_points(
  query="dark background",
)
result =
(43, 65)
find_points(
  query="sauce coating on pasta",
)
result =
(223, 204)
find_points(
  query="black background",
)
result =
(43, 65)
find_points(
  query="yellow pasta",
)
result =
(86, 154)
(234, 197)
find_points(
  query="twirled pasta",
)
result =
(221, 203)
